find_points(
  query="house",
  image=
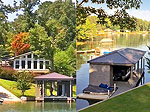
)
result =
(30, 62)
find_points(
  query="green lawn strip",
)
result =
(137, 100)
(11, 86)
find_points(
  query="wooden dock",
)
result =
(86, 51)
(55, 98)
(92, 96)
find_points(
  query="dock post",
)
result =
(43, 92)
(131, 72)
(138, 67)
(108, 93)
(36, 90)
(114, 86)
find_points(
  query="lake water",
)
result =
(137, 41)
(39, 107)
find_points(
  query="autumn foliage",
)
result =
(20, 43)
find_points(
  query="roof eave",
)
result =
(123, 64)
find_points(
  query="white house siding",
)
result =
(27, 61)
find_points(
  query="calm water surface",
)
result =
(137, 41)
(39, 107)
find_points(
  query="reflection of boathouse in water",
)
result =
(60, 83)
(123, 68)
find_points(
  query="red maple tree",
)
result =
(20, 43)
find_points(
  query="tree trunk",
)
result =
(23, 92)
(52, 62)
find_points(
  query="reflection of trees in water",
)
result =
(81, 59)
(120, 40)
(132, 40)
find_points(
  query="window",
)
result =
(29, 56)
(35, 64)
(41, 64)
(47, 64)
(17, 64)
(29, 64)
(23, 64)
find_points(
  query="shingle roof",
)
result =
(122, 56)
(53, 76)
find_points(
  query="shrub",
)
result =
(24, 80)
(7, 73)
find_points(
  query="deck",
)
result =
(92, 96)
(131, 83)
(86, 51)
(122, 87)
(55, 98)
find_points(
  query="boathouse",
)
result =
(120, 65)
(57, 85)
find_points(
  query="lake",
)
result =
(38, 107)
(138, 41)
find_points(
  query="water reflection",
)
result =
(119, 41)
(39, 107)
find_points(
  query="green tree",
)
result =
(120, 17)
(45, 45)
(64, 13)
(24, 80)
(26, 20)
(86, 31)
(65, 62)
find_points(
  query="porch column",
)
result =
(26, 64)
(141, 65)
(138, 67)
(20, 66)
(32, 61)
(43, 89)
(38, 64)
(131, 72)
(135, 67)
(14, 64)
(44, 64)
(36, 89)
(70, 89)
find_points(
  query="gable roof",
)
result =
(20, 55)
(53, 76)
(120, 57)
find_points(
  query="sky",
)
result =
(142, 13)
(11, 17)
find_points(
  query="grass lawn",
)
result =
(137, 100)
(11, 86)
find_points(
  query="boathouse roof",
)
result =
(53, 76)
(125, 56)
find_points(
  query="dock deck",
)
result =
(55, 98)
(86, 51)
(92, 96)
